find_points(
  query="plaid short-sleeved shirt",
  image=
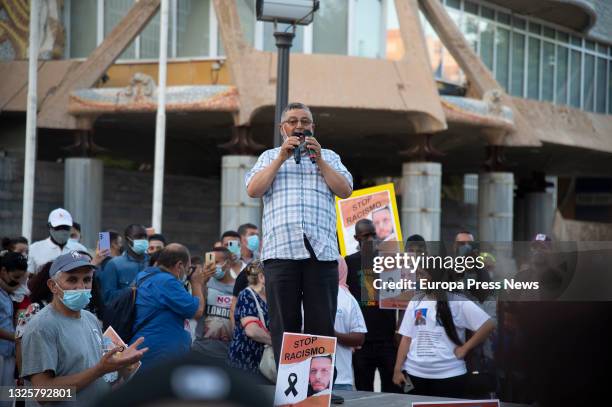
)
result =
(299, 203)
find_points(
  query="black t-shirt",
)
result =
(380, 322)
(241, 283)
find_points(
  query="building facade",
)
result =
(522, 90)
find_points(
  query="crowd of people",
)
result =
(57, 297)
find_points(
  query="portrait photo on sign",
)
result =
(305, 371)
(377, 204)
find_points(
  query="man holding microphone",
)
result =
(299, 249)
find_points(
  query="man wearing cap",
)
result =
(62, 344)
(44, 251)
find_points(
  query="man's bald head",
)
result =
(172, 254)
(364, 226)
(364, 231)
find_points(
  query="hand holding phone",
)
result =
(209, 258)
(104, 241)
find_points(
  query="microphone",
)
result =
(311, 153)
(297, 152)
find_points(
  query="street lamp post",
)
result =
(284, 41)
(293, 12)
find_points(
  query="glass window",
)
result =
(575, 77)
(533, 69)
(589, 83)
(589, 45)
(503, 18)
(114, 11)
(519, 23)
(367, 31)
(518, 64)
(394, 47)
(330, 31)
(434, 48)
(576, 41)
(563, 37)
(487, 42)
(502, 64)
(221, 50)
(270, 41)
(470, 7)
(549, 32)
(548, 71)
(454, 4)
(149, 38)
(534, 28)
(562, 69)
(83, 23)
(192, 28)
(470, 30)
(246, 11)
(602, 49)
(601, 86)
(487, 13)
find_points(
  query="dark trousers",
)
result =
(451, 387)
(375, 355)
(289, 283)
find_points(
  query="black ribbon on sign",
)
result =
(292, 380)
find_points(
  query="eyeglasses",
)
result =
(293, 121)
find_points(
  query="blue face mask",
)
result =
(234, 249)
(464, 250)
(219, 272)
(184, 277)
(253, 243)
(73, 241)
(140, 246)
(76, 300)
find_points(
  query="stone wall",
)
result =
(191, 204)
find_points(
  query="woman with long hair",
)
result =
(251, 315)
(433, 348)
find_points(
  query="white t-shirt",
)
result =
(44, 251)
(348, 319)
(431, 353)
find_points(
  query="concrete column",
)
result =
(421, 188)
(83, 194)
(495, 206)
(236, 206)
(520, 219)
(470, 189)
(553, 189)
(539, 211)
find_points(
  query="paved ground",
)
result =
(368, 399)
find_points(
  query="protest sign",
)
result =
(305, 371)
(376, 204)
(393, 285)
(114, 337)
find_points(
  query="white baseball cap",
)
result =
(60, 217)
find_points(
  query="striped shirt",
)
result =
(299, 203)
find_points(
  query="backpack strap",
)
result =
(142, 280)
(134, 290)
